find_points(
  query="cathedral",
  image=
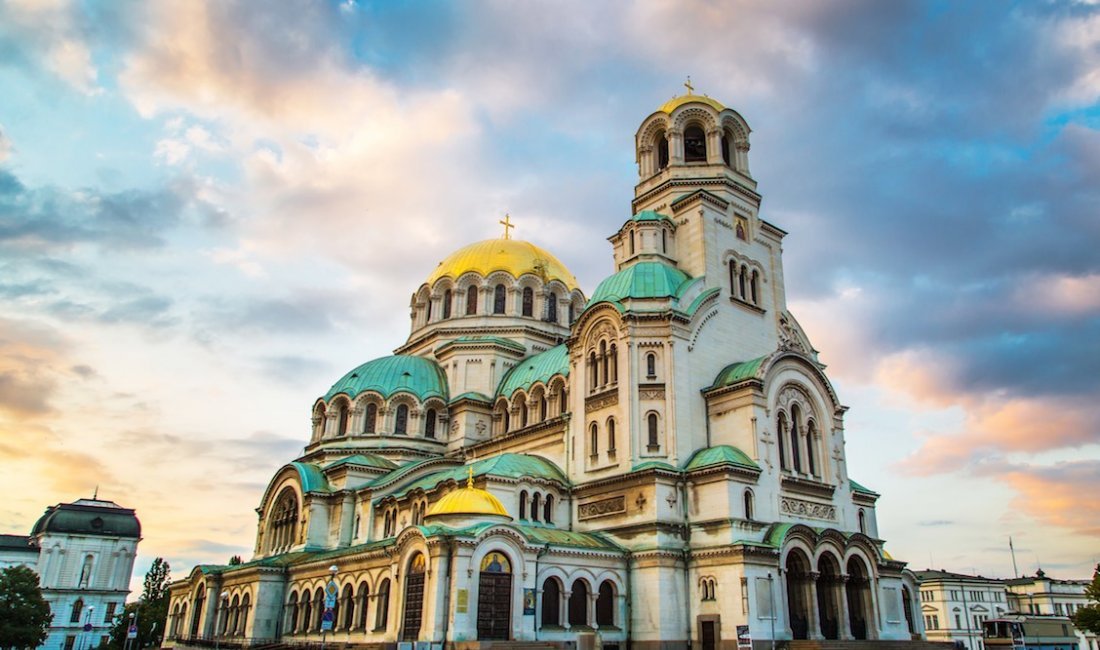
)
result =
(657, 465)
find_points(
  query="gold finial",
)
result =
(507, 223)
(687, 84)
(470, 478)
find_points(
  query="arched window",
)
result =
(742, 278)
(429, 424)
(347, 609)
(521, 404)
(593, 439)
(364, 599)
(611, 436)
(382, 615)
(282, 533)
(342, 419)
(471, 301)
(781, 435)
(603, 363)
(78, 607)
(664, 241)
(796, 450)
(754, 287)
(578, 603)
(305, 607)
(401, 421)
(498, 299)
(651, 426)
(662, 152)
(246, 604)
(370, 420)
(428, 311)
(593, 372)
(750, 506)
(552, 307)
(811, 435)
(551, 602)
(536, 506)
(651, 365)
(523, 505)
(528, 302)
(548, 509)
(725, 149)
(695, 144)
(447, 303)
(572, 313)
(631, 242)
(862, 521)
(733, 278)
(542, 408)
(613, 353)
(605, 605)
(563, 402)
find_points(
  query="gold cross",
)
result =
(687, 84)
(507, 223)
(470, 477)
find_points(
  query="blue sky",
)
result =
(209, 212)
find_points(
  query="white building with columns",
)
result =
(657, 464)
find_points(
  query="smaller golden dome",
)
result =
(677, 102)
(513, 256)
(469, 501)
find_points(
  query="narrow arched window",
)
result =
(572, 313)
(551, 602)
(631, 242)
(548, 509)
(593, 372)
(733, 278)
(613, 352)
(528, 301)
(428, 311)
(664, 241)
(471, 301)
(796, 451)
(862, 521)
(401, 421)
(754, 288)
(605, 605)
(498, 299)
(429, 424)
(382, 615)
(742, 278)
(542, 408)
(611, 436)
(651, 425)
(695, 144)
(522, 413)
(662, 152)
(651, 365)
(726, 149)
(593, 439)
(811, 459)
(603, 363)
(563, 402)
(523, 505)
(342, 422)
(74, 615)
(781, 436)
(447, 303)
(552, 307)
(536, 506)
(750, 507)
(370, 420)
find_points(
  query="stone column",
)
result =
(845, 627)
(714, 146)
(563, 611)
(675, 147)
(813, 615)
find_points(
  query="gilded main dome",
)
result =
(469, 501)
(677, 102)
(510, 255)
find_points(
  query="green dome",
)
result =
(641, 280)
(540, 367)
(89, 517)
(390, 375)
(720, 455)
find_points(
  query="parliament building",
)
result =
(657, 465)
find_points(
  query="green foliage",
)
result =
(1088, 618)
(149, 612)
(24, 614)
(235, 560)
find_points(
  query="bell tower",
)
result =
(693, 168)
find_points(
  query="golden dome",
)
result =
(677, 102)
(469, 501)
(511, 255)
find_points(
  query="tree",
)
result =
(1088, 618)
(24, 614)
(235, 560)
(150, 611)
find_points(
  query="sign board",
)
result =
(463, 602)
(131, 633)
(744, 639)
(87, 627)
(327, 619)
(331, 591)
(528, 602)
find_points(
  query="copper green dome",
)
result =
(89, 517)
(641, 280)
(390, 375)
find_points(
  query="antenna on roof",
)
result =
(95, 495)
(1015, 571)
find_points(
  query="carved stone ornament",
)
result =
(602, 508)
(800, 508)
(651, 393)
(788, 336)
(480, 427)
(601, 401)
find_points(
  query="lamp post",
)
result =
(223, 601)
(771, 605)
(87, 626)
(327, 617)
(129, 625)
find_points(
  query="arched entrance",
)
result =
(858, 592)
(494, 597)
(907, 607)
(414, 598)
(798, 593)
(829, 587)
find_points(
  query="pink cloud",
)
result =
(1063, 494)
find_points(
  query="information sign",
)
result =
(744, 639)
(131, 633)
(327, 618)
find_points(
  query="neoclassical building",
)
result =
(656, 464)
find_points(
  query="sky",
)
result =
(210, 211)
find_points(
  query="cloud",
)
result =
(1062, 494)
(5, 146)
(29, 356)
(50, 33)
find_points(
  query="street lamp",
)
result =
(330, 601)
(129, 625)
(771, 606)
(87, 625)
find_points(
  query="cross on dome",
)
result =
(687, 84)
(508, 225)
